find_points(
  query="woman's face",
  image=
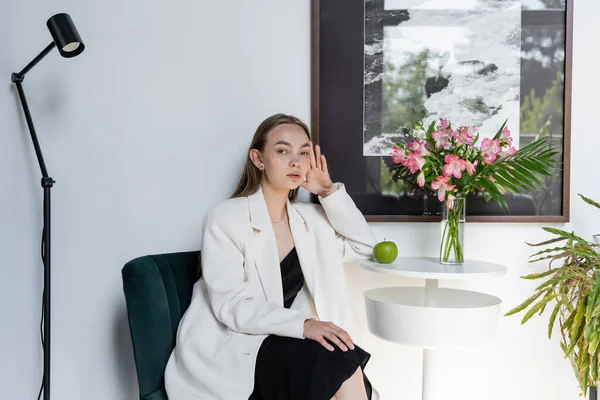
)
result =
(286, 157)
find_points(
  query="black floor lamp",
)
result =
(66, 38)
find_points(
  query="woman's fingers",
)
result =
(344, 337)
(324, 163)
(327, 333)
(325, 344)
(318, 156)
(335, 340)
(313, 162)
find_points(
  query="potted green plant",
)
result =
(572, 287)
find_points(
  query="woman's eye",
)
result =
(281, 151)
(305, 153)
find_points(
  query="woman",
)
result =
(271, 317)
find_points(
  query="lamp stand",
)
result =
(47, 183)
(68, 42)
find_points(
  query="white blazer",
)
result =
(239, 300)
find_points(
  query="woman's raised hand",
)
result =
(319, 331)
(318, 180)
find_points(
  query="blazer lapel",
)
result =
(305, 248)
(264, 248)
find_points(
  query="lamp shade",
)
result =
(65, 35)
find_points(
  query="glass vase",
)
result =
(453, 233)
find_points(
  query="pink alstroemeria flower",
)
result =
(444, 123)
(414, 163)
(508, 152)
(454, 166)
(471, 167)
(489, 150)
(466, 134)
(506, 134)
(420, 148)
(442, 138)
(398, 155)
(450, 201)
(421, 179)
(441, 185)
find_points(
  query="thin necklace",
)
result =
(281, 219)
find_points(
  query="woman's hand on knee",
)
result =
(320, 331)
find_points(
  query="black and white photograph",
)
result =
(477, 63)
(462, 64)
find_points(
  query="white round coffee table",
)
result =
(431, 317)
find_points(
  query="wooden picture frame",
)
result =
(340, 125)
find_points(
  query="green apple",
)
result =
(385, 252)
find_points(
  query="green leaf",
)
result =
(593, 338)
(524, 304)
(565, 234)
(555, 280)
(552, 256)
(491, 188)
(575, 335)
(531, 164)
(588, 334)
(524, 175)
(537, 157)
(586, 252)
(583, 371)
(594, 367)
(517, 176)
(538, 306)
(569, 321)
(431, 128)
(589, 201)
(555, 311)
(540, 275)
(506, 184)
(541, 310)
(558, 239)
(497, 135)
(564, 349)
(532, 148)
(577, 328)
(552, 250)
(593, 298)
(535, 163)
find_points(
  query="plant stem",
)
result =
(451, 244)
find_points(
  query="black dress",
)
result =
(301, 369)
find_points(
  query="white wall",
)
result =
(147, 129)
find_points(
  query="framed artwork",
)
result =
(380, 65)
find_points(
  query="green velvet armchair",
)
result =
(158, 290)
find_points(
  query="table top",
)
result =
(430, 268)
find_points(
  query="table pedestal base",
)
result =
(432, 318)
(428, 385)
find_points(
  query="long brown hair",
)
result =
(251, 176)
